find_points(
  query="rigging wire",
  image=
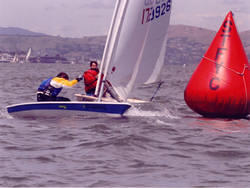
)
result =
(157, 89)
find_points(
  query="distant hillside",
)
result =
(186, 44)
(18, 31)
(77, 49)
(245, 37)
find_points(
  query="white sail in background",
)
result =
(15, 59)
(28, 55)
(136, 44)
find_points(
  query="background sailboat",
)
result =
(28, 55)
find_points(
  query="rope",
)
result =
(245, 85)
(157, 89)
(236, 72)
(239, 73)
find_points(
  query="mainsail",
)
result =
(136, 43)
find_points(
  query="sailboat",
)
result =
(134, 54)
(28, 55)
(15, 59)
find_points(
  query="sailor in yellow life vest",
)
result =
(50, 88)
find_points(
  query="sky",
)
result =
(79, 18)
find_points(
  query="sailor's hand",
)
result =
(79, 78)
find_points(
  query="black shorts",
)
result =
(42, 97)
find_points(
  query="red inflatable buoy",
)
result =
(220, 86)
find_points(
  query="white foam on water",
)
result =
(4, 114)
(161, 122)
(133, 111)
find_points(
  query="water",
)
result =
(159, 144)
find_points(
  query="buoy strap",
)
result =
(239, 73)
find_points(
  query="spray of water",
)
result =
(4, 114)
(136, 112)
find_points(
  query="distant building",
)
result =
(6, 57)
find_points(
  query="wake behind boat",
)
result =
(134, 54)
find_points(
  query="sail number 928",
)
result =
(151, 13)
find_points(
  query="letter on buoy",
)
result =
(220, 85)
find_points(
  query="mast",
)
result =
(113, 35)
(107, 46)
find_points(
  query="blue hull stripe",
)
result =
(97, 107)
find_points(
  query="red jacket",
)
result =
(90, 79)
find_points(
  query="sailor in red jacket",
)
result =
(90, 78)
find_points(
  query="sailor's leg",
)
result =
(62, 99)
(91, 92)
(42, 97)
(111, 91)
